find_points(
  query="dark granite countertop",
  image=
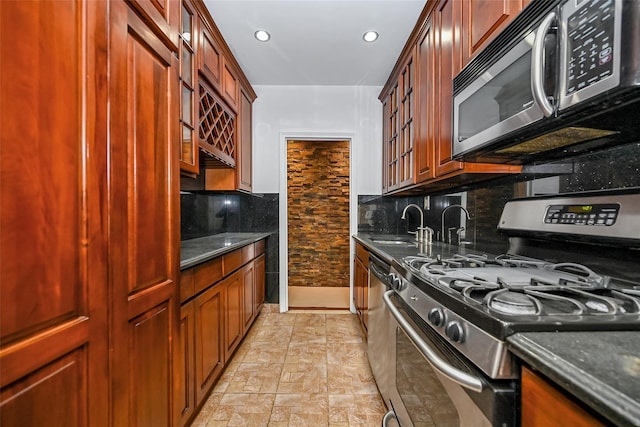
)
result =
(196, 251)
(602, 369)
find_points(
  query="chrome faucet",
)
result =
(423, 234)
(442, 228)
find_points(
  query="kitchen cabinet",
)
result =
(436, 45)
(221, 178)
(221, 299)
(399, 128)
(543, 404)
(185, 396)
(90, 240)
(209, 55)
(54, 288)
(233, 288)
(245, 141)
(144, 208)
(209, 331)
(248, 295)
(260, 281)
(189, 153)
(361, 284)
(225, 99)
(483, 20)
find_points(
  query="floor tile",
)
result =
(297, 369)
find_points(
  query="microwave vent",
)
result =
(558, 139)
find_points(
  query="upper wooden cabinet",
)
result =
(221, 98)
(483, 20)
(399, 105)
(209, 56)
(162, 17)
(189, 154)
(417, 110)
(230, 85)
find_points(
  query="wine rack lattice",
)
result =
(217, 128)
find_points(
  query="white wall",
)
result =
(316, 112)
(354, 111)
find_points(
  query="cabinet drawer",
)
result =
(248, 253)
(187, 284)
(207, 274)
(232, 261)
(259, 247)
(362, 254)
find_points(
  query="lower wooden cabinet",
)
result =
(361, 285)
(259, 281)
(185, 395)
(229, 293)
(545, 405)
(248, 298)
(233, 288)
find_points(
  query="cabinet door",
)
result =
(162, 16)
(426, 126)
(53, 252)
(391, 140)
(248, 283)
(446, 17)
(230, 85)
(209, 339)
(185, 395)
(406, 110)
(483, 19)
(360, 276)
(209, 56)
(245, 143)
(537, 393)
(189, 154)
(144, 237)
(233, 312)
(259, 280)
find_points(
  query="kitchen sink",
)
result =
(393, 242)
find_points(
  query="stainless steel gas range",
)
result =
(571, 266)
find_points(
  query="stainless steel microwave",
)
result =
(562, 78)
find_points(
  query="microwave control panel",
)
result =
(596, 215)
(590, 44)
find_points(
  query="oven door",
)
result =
(436, 386)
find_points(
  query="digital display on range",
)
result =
(596, 215)
(580, 209)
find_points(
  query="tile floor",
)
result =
(297, 369)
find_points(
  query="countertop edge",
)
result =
(214, 253)
(607, 401)
(371, 247)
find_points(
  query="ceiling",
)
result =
(316, 42)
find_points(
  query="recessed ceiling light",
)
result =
(370, 36)
(262, 35)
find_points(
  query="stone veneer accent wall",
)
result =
(318, 213)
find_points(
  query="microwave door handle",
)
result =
(537, 66)
(454, 374)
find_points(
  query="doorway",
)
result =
(318, 223)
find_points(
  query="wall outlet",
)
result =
(427, 203)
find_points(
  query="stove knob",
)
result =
(436, 317)
(398, 284)
(454, 331)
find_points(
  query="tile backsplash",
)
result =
(205, 213)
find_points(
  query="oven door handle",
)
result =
(454, 374)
